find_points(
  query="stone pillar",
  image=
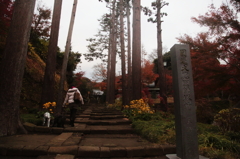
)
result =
(184, 103)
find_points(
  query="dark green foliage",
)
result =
(210, 136)
(166, 59)
(155, 130)
(40, 30)
(40, 45)
(157, 127)
(207, 109)
(219, 142)
(228, 120)
(31, 118)
(203, 128)
(160, 128)
(235, 136)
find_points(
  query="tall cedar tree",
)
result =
(136, 51)
(113, 51)
(48, 91)
(129, 48)
(158, 5)
(224, 32)
(102, 41)
(12, 66)
(65, 59)
(123, 60)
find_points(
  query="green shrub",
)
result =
(234, 136)
(156, 130)
(213, 153)
(228, 120)
(219, 142)
(203, 128)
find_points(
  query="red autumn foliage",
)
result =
(148, 76)
(220, 42)
(78, 78)
(101, 85)
(6, 10)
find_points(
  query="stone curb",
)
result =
(88, 151)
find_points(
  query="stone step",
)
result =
(111, 151)
(106, 113)
(106, 117)
(100, 129)
(123, 121)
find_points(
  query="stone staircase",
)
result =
(109, 134)
(98, 133)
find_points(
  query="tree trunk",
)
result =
(12, 66)
(111, 84)
(162, 80)
(136, 62)
(129, 83)
(124, 101)
(65, 59)
(109, 64)
(48, 91)
(113, 55)
(109, 68)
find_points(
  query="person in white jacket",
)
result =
(73, 105)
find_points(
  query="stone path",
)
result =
(98, 133)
